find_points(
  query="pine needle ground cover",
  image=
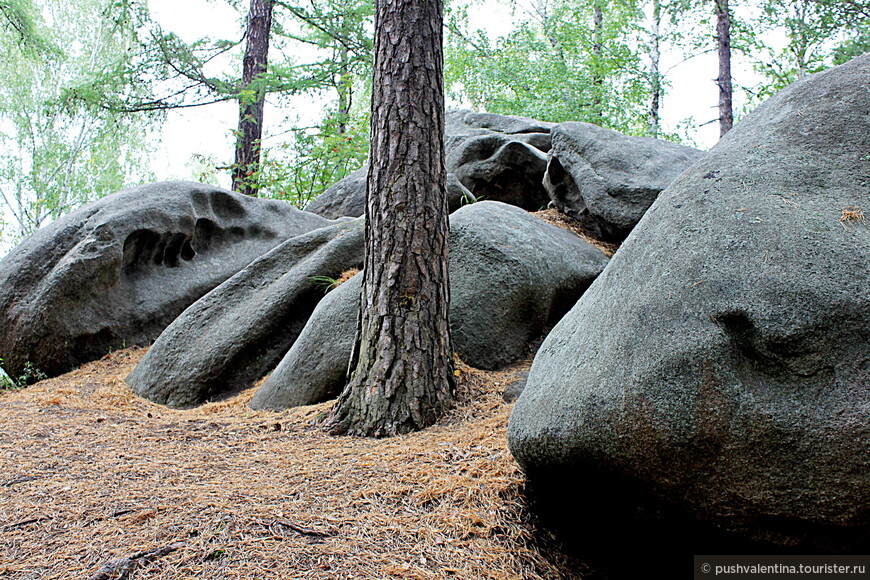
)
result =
(98, 483)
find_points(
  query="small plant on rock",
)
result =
(324, 282)
(329, 283)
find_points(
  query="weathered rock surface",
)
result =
(462, 123)
(719, 366)
(499, 157)
(498, 167)
(492, 157)
(347, 197)
(515, 388)
(315, 367)
(607, 180)
(511, 275)
(118, 270)
(238, 332)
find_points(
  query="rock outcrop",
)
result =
(607, 180)
(492, 157)
(462, 123)
(511, 275)
(347, 197)
(719, 366)
(117, 271)
(239, 331)
(499, 157)
(316, 366)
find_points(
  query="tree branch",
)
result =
(121, 568)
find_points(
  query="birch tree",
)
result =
(58, 157)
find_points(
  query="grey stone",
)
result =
(511, 275)
(499, 157)
(238, 332)
(464, 123)
(316, 366)
(488, 156)
(607, 180)
(347, 197)
(720, 363)
(117, 271)
(498, 167)
(515, 388)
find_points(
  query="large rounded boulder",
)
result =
(239, 331)
(462, 123)
(117, 271)
(720, 366)
(488, 156)
(607, 180)
(511, 276)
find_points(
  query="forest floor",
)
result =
(99, 483)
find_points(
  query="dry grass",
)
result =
(851, 215)
(559, 219)
(90, 472)
(345, 276)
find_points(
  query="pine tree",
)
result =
(403, 368)
(253, 97)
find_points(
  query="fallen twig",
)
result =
(121, 568)
(115, 514)
(26, 522)
(302, 530)
(21, 479)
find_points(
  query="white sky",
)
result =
(207, 130)
(203, 130)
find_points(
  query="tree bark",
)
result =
(723, 40)
(655, 74)
(799, 43)
(403, 366)
(597, 29)
(253, 98)
(597, 62)
(344, 88)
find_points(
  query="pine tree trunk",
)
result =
(655, 75)
(403, 378)
(723, 38)
(251, 105)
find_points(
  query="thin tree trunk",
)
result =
(655, 75)
(597, 61)
(597, 29)
(544, 16)
(253, 98)
(403, 378)
(798, 38)
(344, 88)
(723, 39)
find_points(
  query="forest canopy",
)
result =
(88, 86)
